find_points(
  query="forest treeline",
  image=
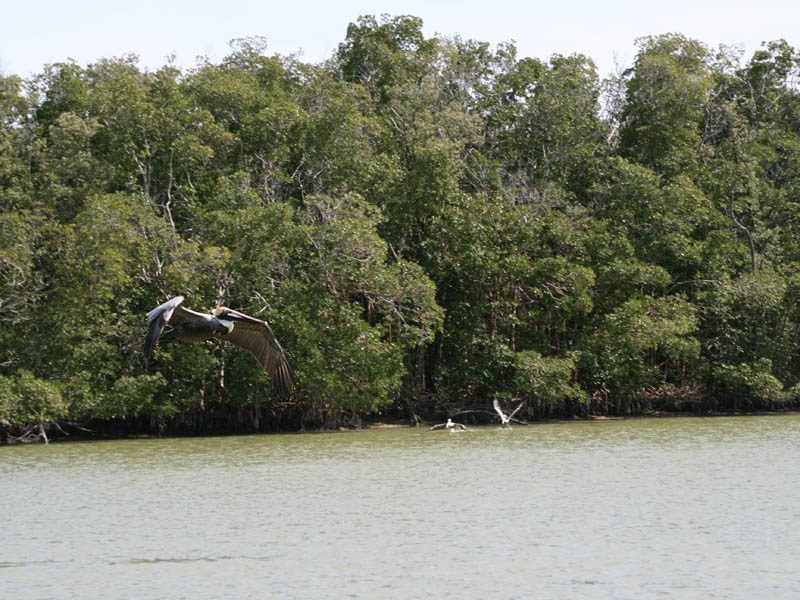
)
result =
(427, 223)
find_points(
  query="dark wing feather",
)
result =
(255, 336)
(516, 410)
(184, 315)
(158, 319)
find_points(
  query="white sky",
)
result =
(38, 32)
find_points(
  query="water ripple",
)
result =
(692, 508)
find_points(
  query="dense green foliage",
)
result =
(426, 223)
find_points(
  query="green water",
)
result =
(676, 508)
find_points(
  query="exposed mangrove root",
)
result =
(26, 435)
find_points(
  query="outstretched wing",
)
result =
(187, 315)
(516, 410)
(255, 336)
(158, 319)
(439, 426)
(497, 408)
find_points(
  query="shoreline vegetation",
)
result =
(122, 431)
(427, 224)
(199, 425)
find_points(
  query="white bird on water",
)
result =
(450, 426)
(505, 420)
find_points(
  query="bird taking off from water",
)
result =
(505, 420)
(450, 426)
(249, 333)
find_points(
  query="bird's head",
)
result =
(221, 313)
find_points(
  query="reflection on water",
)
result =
(685, 507)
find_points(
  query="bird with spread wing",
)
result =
(505, 420)
(450, 426)
(246, 332)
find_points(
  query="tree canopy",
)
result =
(427, 224)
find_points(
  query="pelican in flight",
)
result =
(505, 420)
(249, 333)
(450, 426)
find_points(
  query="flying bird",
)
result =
(249, 333)
(450, 425)
(505, 420)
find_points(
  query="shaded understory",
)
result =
(230, 420)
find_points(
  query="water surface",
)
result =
(684, 508)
